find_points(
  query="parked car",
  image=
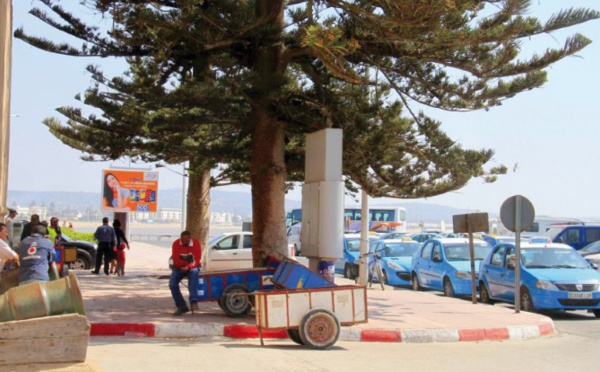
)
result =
(348, 264)
(86, 252)
(553, 276)
(392, 235)
(421, 237)
(578, 236)
(395, 258)
(230, 251)
(294, 234)
(445, 265)
(591, 253)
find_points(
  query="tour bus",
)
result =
(390, 219)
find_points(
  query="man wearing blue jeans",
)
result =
(186, 253)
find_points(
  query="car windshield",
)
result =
(460, 252)
(550, 258)
(400, 249)
(353, 244)
(591, 248)
(214, 239)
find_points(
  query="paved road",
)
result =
(560, 353)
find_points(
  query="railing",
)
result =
(150, 237)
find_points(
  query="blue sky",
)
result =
(551, 133)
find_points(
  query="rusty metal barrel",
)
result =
(40, 299)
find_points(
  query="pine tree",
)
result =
(288, 68)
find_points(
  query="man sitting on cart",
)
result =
(186, 253)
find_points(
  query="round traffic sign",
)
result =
(517, 206)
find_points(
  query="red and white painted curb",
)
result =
(240, 331)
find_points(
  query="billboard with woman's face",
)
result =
(129, 190)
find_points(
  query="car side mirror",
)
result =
(594, 266)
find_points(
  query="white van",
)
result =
(294, 234)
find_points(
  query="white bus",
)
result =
(387, 218)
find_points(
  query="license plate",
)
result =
(586, 296)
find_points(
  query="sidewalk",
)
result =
(140, 305)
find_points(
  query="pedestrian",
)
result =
(9, 226)
(28, 228)
(185, 253)
(36, 255)
(122, 243)
(55, 231)
(7, 255)
(107, 241)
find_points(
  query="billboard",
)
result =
(129, 190)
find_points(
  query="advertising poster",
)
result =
(129, 190)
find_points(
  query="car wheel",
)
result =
(597, 313)
(448, 289)
(83, 263)
(348, 273)
(484, 295)
(526, 301)
(414, 281)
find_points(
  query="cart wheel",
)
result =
(295, 336)
(319, 329)
(234, 301)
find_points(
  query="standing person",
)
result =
(9, 226)
(28, 228)
(186, 253)
(107, 241)
(121, 244)
(7, 255)
(36, 255)
(55, 231)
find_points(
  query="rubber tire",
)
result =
(448, 289)
(484, 294)
(596, 313)
(294, 335)
(348, 272)
(84, 262)
(235, 306)
(317, 324)
(414, 282)
(525, 295)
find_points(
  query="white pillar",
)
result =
(5, 75)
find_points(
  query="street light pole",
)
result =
(5, 75)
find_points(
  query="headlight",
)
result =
(545, 284)
(463, 275)
(396, 267)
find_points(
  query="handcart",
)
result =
(310, 308)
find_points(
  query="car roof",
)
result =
(387, 241)
(542, 245)
(458, 240)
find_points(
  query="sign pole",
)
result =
(472, 254)
(518, 254)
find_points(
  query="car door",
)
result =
(224, 254)
(421, 265)
(494, 270)
(436, 267)
(507, 280)
(245, 255)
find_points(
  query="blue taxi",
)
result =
(395, 257)
(348, 264)
(445, 265)
(553, 276)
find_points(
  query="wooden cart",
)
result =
(311, 316)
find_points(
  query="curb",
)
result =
(243, 331)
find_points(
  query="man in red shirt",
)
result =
(186, 253)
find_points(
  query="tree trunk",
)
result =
(198, 204)
(267, 167)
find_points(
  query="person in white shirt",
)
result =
(7, 255)
(9, 226)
